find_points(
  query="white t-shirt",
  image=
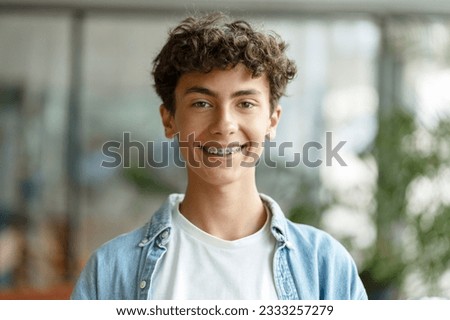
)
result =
(200, 266)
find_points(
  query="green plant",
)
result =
(401, 162)
(412, 232)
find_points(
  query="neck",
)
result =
(228, 212)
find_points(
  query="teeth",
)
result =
(223, 151)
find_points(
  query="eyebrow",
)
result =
(249, 92)
(202, 90)
(208, 92)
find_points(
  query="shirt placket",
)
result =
(151, 257)
(284, 280)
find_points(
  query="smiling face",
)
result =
(221, 119)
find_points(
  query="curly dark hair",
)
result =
(212, 41)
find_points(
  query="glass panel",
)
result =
(33, 98)
(120, 105)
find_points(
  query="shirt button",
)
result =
(143, 284)
(143, 242)
(165, 234)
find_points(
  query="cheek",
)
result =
(187, 124)
(259, 129)
(183, 126)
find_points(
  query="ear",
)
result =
(273, 122)
(168, 122)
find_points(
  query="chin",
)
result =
(221, 176)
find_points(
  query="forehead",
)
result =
(224, 81)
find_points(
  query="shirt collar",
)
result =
(278, 223)
(161, 221)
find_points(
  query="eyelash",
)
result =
(201, 104)
(246, 105)
(204, 104)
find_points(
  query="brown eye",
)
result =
(201, 104)
(246, 105)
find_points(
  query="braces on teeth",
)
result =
(223, 151)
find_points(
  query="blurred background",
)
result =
(376, 74)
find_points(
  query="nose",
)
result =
(224, 122)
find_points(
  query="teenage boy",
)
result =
(220, 83)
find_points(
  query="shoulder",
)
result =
(317, 243)
(312, 236)
(112, 270)
(328, 260)
(109, 267)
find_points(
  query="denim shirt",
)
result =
(308, 263)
